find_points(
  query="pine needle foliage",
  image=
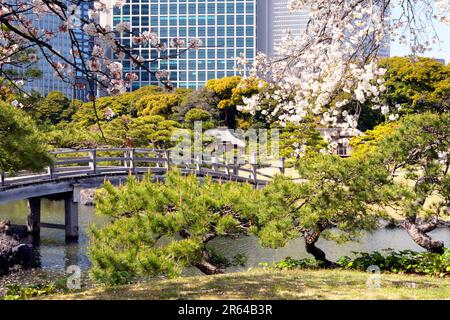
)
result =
(161, 227)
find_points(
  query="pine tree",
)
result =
(162, 227)
(336, 198)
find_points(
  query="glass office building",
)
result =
(60, 42)
(274, 19)
(227, 29)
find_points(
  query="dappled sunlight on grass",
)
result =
(265, 284)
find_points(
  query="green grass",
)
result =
(270, 284)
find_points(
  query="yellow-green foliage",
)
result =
(223, 88)
(230, 92)
(124, 104)
(418, 85)
(197, 114)
(294, 136)
(67, 136)
(160, 104)
(365, 144)
(154, 131)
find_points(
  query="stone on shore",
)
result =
(12, 252)
(87, 197)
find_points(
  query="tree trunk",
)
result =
(420, 236)
(311, 238)
(206, 266)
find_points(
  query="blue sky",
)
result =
(443, 52)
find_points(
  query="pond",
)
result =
(56, 254)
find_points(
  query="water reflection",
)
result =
(53, 251)
(56, 255)
(396, 239)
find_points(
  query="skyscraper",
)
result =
(61, 42)
(227, 29)
(274, 19)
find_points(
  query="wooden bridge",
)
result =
(73, 170)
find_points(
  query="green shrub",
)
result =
(22, 145)
(223, 262)
(405, 261)
(289, 263)
(17, 292)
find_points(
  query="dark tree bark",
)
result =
(206, 266)
(419, 235)
(311, 237)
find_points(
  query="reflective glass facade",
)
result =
(62, 43)
(227, 29)
(274, 18)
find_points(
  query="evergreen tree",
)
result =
(417, 154)
(345, 195)
(22, 147)
(162, 227)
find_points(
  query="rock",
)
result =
(87, 197)
(13, 230)
(23, 255)
(5, 227)
(12, 252)
(7, 243)
(19, 232)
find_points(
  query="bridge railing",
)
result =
(104, 161)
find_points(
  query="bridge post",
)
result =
(132, 157)
(283, 165)
(198, 164)
(161, 158)
(71, 216)
(235, 160)
(51, 170)
(93, 162)
(213, 163)
(227, 167)
(34, 216)
(126, 156)
(168, 160)
(254, 164)
(2, 178)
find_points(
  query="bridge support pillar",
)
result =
(34, 216)
(71, 217)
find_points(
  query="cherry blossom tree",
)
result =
(332, 63)
(98, 70)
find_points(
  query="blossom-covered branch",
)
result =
(330, 68)
(99, 68)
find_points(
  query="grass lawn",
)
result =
(268, 284)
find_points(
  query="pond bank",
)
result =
(55, 255)
(268, 284)
(14, 251)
